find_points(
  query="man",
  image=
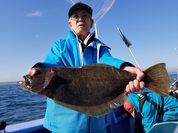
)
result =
(78, 49)
(150, 108)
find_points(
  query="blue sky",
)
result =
(28, 29)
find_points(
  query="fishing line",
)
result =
(128, 44)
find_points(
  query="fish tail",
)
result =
(157, 79)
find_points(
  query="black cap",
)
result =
(78, 6)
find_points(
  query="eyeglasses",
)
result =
(84, 16)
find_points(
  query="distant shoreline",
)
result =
(8, 82)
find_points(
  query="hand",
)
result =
(135, 85)
(32, 71)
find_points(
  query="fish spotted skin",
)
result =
(92, 89)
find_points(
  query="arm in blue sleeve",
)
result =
(105, 57)
(53, 58)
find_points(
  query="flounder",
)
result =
(92, 89)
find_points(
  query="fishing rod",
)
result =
(128, 44)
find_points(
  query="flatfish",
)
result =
(92, 89)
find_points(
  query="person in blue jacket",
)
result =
(151, 108)
(78, 49)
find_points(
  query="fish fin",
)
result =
(157, 79)
(122, 98)
(97, 110)
(49, 78)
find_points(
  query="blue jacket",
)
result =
(150, 114)
(66, 53)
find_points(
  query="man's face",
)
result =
(81, 23)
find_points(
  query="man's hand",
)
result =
(135, 85)
(32, 71)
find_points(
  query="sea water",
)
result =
(18, 105)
